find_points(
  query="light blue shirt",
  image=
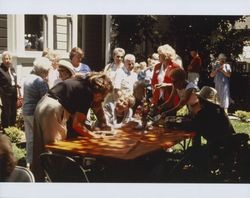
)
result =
(34, 89)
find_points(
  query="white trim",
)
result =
(50, 31)
(163, 7)
(45, 31)
(108, 29)
(74, 31)
(83, 32)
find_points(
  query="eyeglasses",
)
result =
(119, 56)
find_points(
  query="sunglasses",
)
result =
(119, 56)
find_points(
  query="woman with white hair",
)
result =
(8, 91)
(125, 78)
(221, 73)
(34, 88)
(161, 81)
(111, 68)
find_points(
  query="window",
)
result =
(3, 32)
(63, 32)
(34, 32)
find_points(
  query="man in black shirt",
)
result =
(210, 120)
(212, 123)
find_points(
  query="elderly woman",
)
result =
(125, 78)
(34, 88)
(7, 159)
(76, 55)
(111, 68)
(161, 81)
(70, 98)
(8, 91)
(221, 73)
(120, 112)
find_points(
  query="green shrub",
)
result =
(19, 120)
(15, 134)
(18, 152)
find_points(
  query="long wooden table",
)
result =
(126, 144)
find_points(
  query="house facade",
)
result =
(25, 36)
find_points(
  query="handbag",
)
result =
(19, 102)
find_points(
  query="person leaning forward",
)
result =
(70, 98)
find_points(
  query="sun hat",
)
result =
(209, 94)
(67, 65)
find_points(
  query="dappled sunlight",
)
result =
(124, 144)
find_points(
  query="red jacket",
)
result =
(167, 79)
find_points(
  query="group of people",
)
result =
(60, 96)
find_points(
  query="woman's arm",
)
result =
(181, 103)
(99, 112)
(214, 72)
(78, 124)
(227, 71)
(169, 101)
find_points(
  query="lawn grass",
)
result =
(241, 127)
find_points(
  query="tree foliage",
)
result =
(131, 32)
(142, 34)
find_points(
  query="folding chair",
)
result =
(61, 168)
(21, 174)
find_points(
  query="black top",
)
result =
(74, 94)
(6, 87)
(212, 123)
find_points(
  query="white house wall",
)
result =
(22, 59)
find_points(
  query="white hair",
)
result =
(41, 65)
(6, 53)
(52, 55)
(222, 56)
(117, 50)
(155, 56)
(130, 57)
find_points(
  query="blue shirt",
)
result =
(34, 89)
(82, 68)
